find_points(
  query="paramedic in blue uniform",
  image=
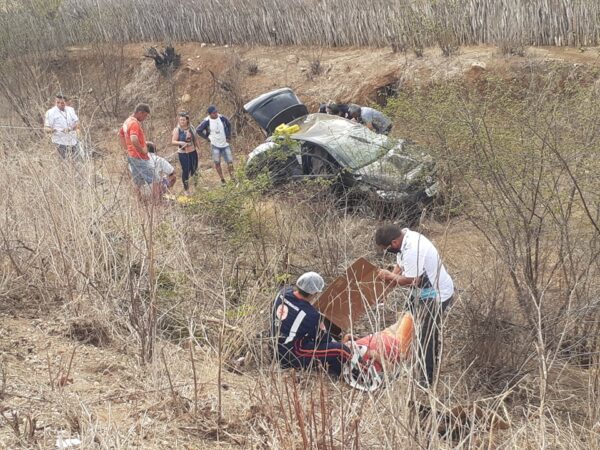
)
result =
(302, 340)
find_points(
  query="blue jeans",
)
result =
(218, 152)
(142, 170)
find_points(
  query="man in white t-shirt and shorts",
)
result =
(419, 266)
(216, 129)
(61, 122)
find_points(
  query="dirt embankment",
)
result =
(230, 76)
(348, 75)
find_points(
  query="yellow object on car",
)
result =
(286, 129)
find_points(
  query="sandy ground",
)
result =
(103, 396)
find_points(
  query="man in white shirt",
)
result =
(61, 121)
(419, 266)
(216, 129)
(164, 172)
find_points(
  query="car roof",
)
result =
(348, 141)
(327, 129)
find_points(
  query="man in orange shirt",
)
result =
(133, 141)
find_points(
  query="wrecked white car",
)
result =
(370, 172)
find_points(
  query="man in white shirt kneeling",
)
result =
(164, 172)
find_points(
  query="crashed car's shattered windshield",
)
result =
(401, 162)
(352, 144)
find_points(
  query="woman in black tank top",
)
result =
(184, 137)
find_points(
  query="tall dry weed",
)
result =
(327, 23)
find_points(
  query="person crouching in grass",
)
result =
(164, 173)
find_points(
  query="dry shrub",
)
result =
(252, 68)
(107, 91)
(82, 251)
(518, 154)
(305, 413)
(89, 332)
(497, 349)
(195, 280)
(227, 89)
(398, 46)
(511, 48)
(208, 275)
(315, 68)
(138, 271)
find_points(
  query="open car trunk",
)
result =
(275, 108)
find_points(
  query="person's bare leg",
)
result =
(156, 192)
(219, 171)
(403, 332)
(230, 169)
(144, 193)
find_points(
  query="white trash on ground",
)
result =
(62, 443)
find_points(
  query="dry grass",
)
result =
(414, 24)
(174, 295)
(76, 242)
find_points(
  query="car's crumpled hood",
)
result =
(397, 171)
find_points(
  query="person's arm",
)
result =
(75, 119)
(171, 179)
(312, 327)
(202, 130)
(134, 129)
(383, 273)
(47, 125)
(195, 139)
(138, 146)
(367, 120)
(227, 126)
(396, 279)
(167, 169)
(322, 332)
(413, 262)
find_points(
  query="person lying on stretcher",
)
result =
(375, 353)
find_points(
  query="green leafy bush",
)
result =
(233, 206)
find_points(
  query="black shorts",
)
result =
(68, 151)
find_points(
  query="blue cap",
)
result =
(211, 109)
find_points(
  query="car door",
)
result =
(281, 161)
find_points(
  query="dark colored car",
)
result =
(370, 172)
